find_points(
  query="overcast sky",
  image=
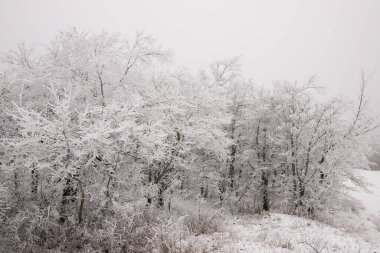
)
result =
(277, 40)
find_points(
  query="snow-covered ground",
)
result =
(281, 233)
(370, 200)
(350, 232)
(284, 233)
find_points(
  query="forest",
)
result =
(105, 146)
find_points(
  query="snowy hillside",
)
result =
(284, 233)
(349, 232)
(371, 200)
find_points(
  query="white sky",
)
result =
(293, 39)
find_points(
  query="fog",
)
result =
(293, 40)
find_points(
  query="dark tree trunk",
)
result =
(321, 173)
(163, 186)
(302, 194)
(68, 194)
(295, 187)
(17, 185)
(222, 189)
(160, 201)
(265, 181)
(81, 203)
(204, 191)
(233, 155)
(232, 166)
(150, 179)
(34, 181)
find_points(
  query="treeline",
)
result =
(96, 129)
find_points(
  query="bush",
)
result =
(175, 245)
(203, 223)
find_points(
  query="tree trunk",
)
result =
(81, 203)
(265, 181)
(233, 155)
(34, 181)
(222, 189)
(204, 191)
(232, 166)
(67, 197)
(160, 201)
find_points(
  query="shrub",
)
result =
(203, 223)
